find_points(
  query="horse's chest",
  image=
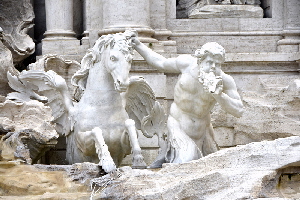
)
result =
(100, 112)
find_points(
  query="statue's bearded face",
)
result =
(212, 63)
(210, 71)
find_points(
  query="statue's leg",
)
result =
(209, 143)
(88, 141)
(137, 158)
(181, 147)
(163, 148)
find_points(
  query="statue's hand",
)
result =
(219, 86)
(134, 39)
(211, 83)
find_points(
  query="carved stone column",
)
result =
(291, 33)
(59, 19)
(120, 15)
(59, 37)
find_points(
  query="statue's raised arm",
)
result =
(171, 65)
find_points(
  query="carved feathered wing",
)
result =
(25, 91)
(54, 87)
(142, 107)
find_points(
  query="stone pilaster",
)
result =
(86, 22)
(291, 33)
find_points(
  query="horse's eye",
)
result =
(113, 58)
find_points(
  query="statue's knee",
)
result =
(129, 122)
(97, 130)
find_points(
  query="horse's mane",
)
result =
(94, 55)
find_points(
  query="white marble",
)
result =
(201, 85)
(100, 127)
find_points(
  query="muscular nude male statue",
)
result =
(201, 84)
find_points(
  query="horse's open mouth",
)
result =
(121, 87)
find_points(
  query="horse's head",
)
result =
(114, 52)
(119, 59)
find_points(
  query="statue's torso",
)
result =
(192, 105)
(191, 98)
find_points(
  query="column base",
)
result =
(61, 46)
(145, 33)
(65, 34)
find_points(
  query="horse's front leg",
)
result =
(88, 141)
(137, 158)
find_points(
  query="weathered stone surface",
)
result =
(271, 113)
(19, 181)
(226, 11)
(80, 172)
(244, 172)
(28, 131)
(6, 64)
(16, 18)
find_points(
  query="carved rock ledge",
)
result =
(26, 131)
(244, 172)
(226, 11)
(16, 18)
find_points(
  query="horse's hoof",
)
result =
(109, 168)
(138, 161)
(108, 164)
(139, 165)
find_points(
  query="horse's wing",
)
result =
(142, 107)
(54, 87)
(24, 91)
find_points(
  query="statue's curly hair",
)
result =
(210, 48)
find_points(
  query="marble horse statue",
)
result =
(101, 127)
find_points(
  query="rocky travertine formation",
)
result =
(271, 113)
(6, 65)
(19, 181)
(16, 18)
(244, 172)
(262, 170)
(26, 131)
